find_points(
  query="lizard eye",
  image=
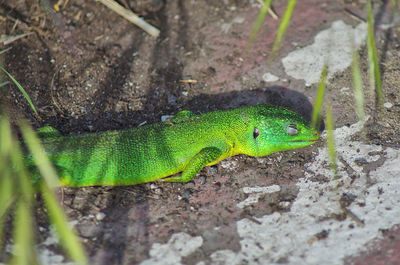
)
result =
(291, 129)
(256, 132)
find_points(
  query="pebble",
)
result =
(186, 194)
(388, 105)
(212, 170)
(166, 117)
(360, 161)
(217, 186)
(238, 20)
(284, 204)
(201, 180)
(100, 216)
(158, 191)
(268, 77)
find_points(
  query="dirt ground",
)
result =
(87, 69)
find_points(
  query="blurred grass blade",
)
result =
(394, 8)
(319, 100)
(260, 20)
(283, 27)
(357, 87)
(374, 72)
(6, 187)
(331, 140)
(23, 233)
(41, 160)
(6, 199)
(68, 238)
(24, 253)
(57, 217)
(6, 194)
(20, 89)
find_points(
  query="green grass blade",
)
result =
(20, 89)
(319, 100)
(393, 4)
(23, 235)
(394, 8)
(6, 197)
(374, 72)
(41, 160)
(357, 87)
(331, 140)
(260, 19)
(6, 187)
(68, 238)
(283, 27)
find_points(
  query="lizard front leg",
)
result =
(200, 160)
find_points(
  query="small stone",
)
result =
(88, 230)
(158, 191)
(217, 186)
(100, 216)
(212, 170)
(171, 99)
(166, 117)
(238, 20)
(388, 105)
(201, 180)
(229, 164)
(360, 161)
(186, 194)
(345, 90)
(268, 77)
(284, 204)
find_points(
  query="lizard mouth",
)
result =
(297, 143)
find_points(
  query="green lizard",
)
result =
(186, 144)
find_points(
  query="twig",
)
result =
(5, 50)
(353, 216)
(5, 39)
(4, 83)
(14, 26)
(354, 15)
(130, 16)
(190, 81)
(271, 11)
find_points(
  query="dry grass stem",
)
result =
(131, 17)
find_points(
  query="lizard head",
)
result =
(277, 129)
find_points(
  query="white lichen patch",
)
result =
(178, 246)
(332, 47)
(291, 237)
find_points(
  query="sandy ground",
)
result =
(87, 70)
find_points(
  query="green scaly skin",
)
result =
(185, 144)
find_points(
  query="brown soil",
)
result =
(86, 70)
